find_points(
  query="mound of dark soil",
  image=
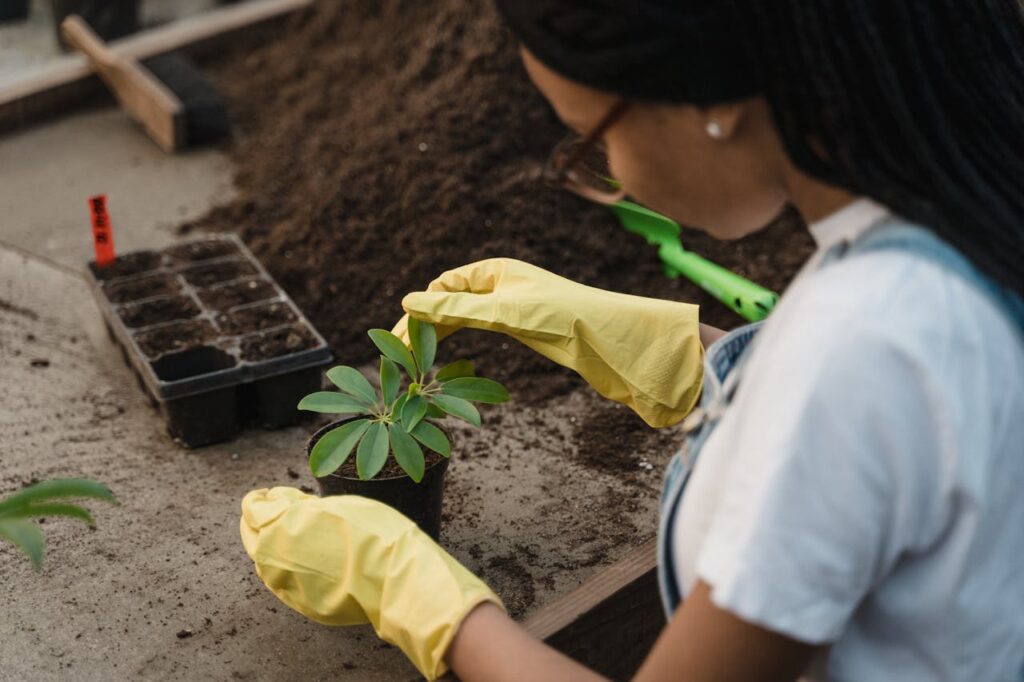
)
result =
(379, 143)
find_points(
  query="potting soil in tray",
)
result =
(251, 354)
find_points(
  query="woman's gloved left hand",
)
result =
(348, 560)
(643, 352)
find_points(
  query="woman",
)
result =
(854, 511)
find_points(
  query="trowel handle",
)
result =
(750, 301)
(80, 36)
(147, 99)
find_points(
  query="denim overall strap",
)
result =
(724, 360)
(720, 382)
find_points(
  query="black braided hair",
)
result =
(919, 105)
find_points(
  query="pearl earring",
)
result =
(714, 130)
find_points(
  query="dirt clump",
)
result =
(174, 337)
(158, 310)
(224, 296)
(404, 139)
(282, 341)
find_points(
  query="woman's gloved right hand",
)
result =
(348, 560)
(643, 352)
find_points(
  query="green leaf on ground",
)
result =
(433, 438)
(457, 369)
(349, 380)
(392, 346)
(407, 452)
(331, 402)
(475, 389)
(390, 380)
(60, 487)
(457, 407)
(373, 451)
(331, 451)
(423, 338)
(70, 510)
(26, 536)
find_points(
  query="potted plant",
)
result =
(396, 421)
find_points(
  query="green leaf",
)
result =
(459, 368)
(396, 409)
(331, 451)
(475, 389)
(423, 338)
(407, 452)
(331, 402)
(372, 452)
(435, 412)
(433, 438)
(26, 536)
(349, 380)
(414, 410)
(457, 407)
(69, 510)
(61, 487)
(390, 379)
(392, 346)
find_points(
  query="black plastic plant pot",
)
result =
(421, 502)
(211, 338)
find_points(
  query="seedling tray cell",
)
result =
(211, 337)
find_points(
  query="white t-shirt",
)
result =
(865, 490)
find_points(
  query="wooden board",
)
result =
(611, 621)
(50, 89)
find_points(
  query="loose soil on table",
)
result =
(276, 343)
(256, 318)
(614, 439)
(174, 337)
(143, 287)
(158, 310)
(230, 295)
(404, 139)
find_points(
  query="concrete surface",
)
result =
(47, 174)
(162, 589)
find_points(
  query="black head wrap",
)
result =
(673, 51)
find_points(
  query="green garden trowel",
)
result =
(748, 300)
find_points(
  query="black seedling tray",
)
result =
(213, 340)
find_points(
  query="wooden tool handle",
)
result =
(138, 92)
(80, 36)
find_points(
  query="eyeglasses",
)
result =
(580, 162)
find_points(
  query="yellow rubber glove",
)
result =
(348, 560)
(643, 352)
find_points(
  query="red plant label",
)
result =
(102, 232)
